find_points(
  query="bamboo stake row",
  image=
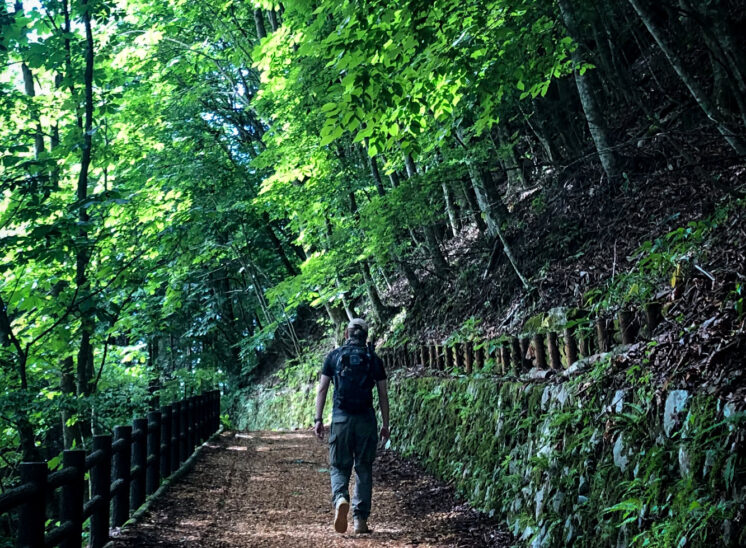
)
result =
(555, 350)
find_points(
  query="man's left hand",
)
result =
(385, 434)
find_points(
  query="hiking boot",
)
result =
(340, 515)
(361, 526)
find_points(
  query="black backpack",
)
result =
(353, 379)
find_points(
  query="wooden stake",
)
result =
(515, 351)
(554, 353)
(653, 316)
(602, 335)
(479, 358)
(504, 358)
(525, 346)
(540, 351)
(571, 348)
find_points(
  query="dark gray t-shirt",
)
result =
(377, 372)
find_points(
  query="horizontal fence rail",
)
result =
(122, 472)
(549, 350)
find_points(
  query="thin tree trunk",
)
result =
(21, 419)
(431, 240)
(538, 128)
(704, 102)
(508, 159)
(273, 23)
(70, 432)
(373, 163)
(261, 30)
(588, 99)
(277, 244)
(379, 309)
(28, 84)
(85, 351)
(450, 210)
(471, 201)
(493, 222)
(410, 166)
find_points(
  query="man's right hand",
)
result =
(318, 429)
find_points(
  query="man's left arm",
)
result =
(383, 402)
(318, 423)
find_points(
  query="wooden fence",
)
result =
(123, 471)
(517, 354)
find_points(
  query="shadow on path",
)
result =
(272, 489)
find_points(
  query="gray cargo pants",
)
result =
(353, 439)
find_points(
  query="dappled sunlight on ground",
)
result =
(272, 489)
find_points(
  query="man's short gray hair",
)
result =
(357, 324)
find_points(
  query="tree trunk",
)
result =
(484, 202)
(373, 163)
(379, 309)
(85, 351)
(431, 241)
(508, 160)
(704, 102)
(28, 84)
(410, 166)
(273, 23)
(261, 30)
(471, 202)
(70, 433)
(450, 209)
(493, 221)
(277, 244)
(588, 99)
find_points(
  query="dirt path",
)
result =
(272, 489)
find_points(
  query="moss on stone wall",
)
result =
(275, 409)
(600, 460)
(579, 463)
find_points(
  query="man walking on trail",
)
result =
(355, 370)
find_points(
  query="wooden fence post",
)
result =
(32, 515)
(183, 412)
(165, 464)
(73, 494)
(139, 462)
(200, 419)
(121, 471)
(175, 444)
(206, 417)
(100, 488)
(190, 426)
(216, 411)
(153, 459)
(468, 349)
